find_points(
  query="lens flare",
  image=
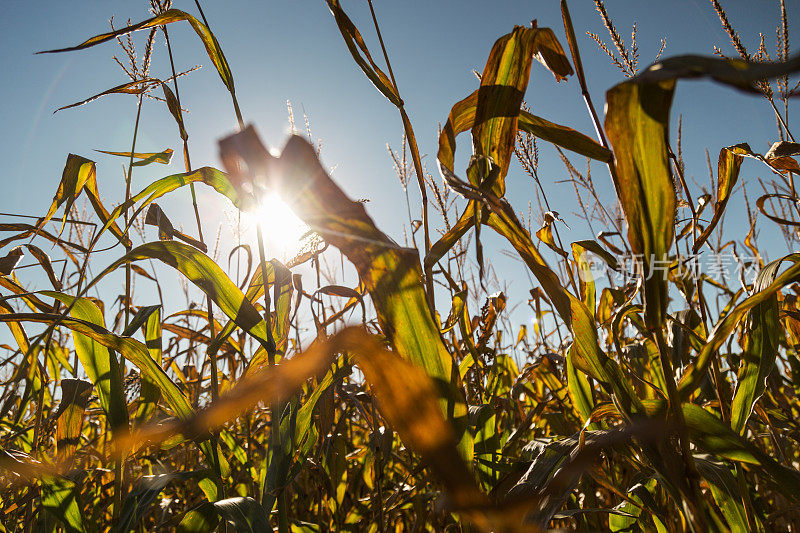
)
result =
(281, 228)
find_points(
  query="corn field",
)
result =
(645, 394)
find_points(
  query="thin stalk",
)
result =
(283, 523)
(576, 59)
(119, 464)
(780, 119)
(188, 165)
(274, 422)
(212, 355)
(415, 157)
(693, 502)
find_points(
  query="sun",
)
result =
(282, 229)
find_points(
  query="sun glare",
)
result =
(281, 228)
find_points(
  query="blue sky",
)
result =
(292, 50)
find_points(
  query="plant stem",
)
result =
(415, 157)
(212, 354)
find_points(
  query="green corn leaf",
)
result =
(69, 417)
(637, 121)
(100, 363)
(135, 352)
(580, 392)
(694, 373)
(150, 392)
(281, 299)
(642, 500)
(763, 335)
(206, 275)
(61, 498)
(244, 514)
(725, 491)
(80, 174)
(713, 436)
(212, 177)
(449, 239)
(201, 519)
(503, 84)
(462, 117)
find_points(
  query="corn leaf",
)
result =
(80, 174)
(637, 121)
(725, 491)
(150, 392)
(203, 272)
(406, 397)
(100, 363)
(175, 110)
(69, 417)
(132, 87)
(391, 274)
(44, 260)
(503, 84)
(695, 372)
(730, 161)
(734, 72)
(713, 436)
(563, 136)
(210, 176)
(145, 158)
(201, 519)
(358, 49)
(167, 17)
(61, 498)
(763, 335)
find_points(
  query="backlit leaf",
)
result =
(637, 122)
(60, 497)
(730, 161)
(69, 417)
(206, 275)
(762, 337)
(391, 274)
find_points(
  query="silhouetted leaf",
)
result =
(172, 15)
(132, 87)
(358, 49)
(145, 158)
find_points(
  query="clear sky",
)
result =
(291, 50)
